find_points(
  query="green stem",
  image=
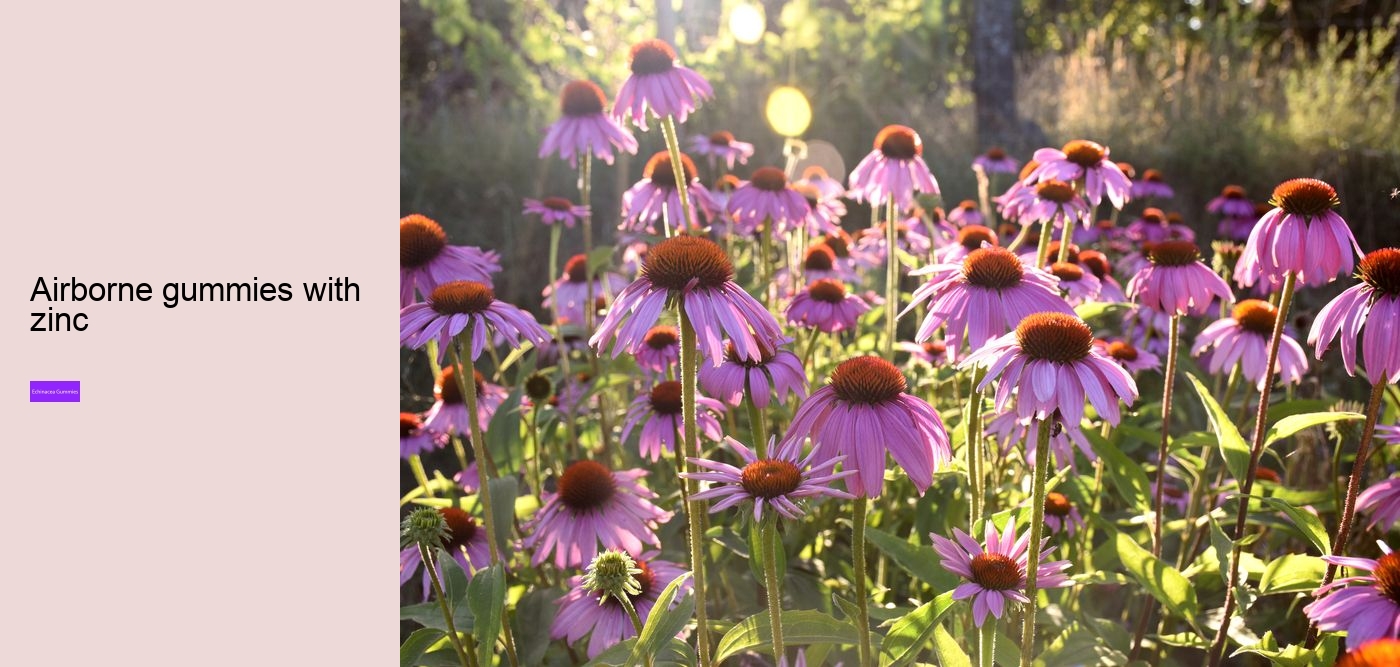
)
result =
(415, 462)
(1042, 251)
(975, 457)
(861, 504)
(631, 610)
(773, 583)
(757, 427)
(1358, 473)
(585, 192)
(468, 388)
(673, 147)
(1042, 462)
(987, 643)
(689, 443)
(891, 278)
(1217, 649)
(1173, 341)
(555, 231)
(1066, 237)
(428, 562)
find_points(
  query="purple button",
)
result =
(55, 391)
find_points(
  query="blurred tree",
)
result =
(994, 71)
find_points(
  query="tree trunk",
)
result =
(994, 71)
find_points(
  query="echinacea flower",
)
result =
(983, 296)
(698, 276)
(1097, 263)
(781, 481)
(1382, 501)
(594, 505)
(1017, 195)
(1155, 226)
(909, 237)
(824, 213)
(1388, 433)
(1243, 338)
(583, 127)
(1061, 514)
(932, 352)
(766, 200)
(1051, 358)
(1013, 431)
(966, 213)
(413, 438)
(571, 290)
(825, 305)
(660, 349)
(1151, 185)
(1055, 202)
(819, 262)
(660, 85)
(585, 613)
(555, 210)
(655, 198)
(1232, 203)
(1375, 653)
(997, 572)
(426, 261)
(995, 161)
(894, 170)
(658, 413)
(778, 372)
(971, 237)
(1301, 234)
(1366, 606)
(1131, 358)
(1087, 160)
(456, 306)
(863, 413)
(722, 145)
(1176, 282)
(448, 415)
(1368, 313)
(1079, 286)
(465, 543)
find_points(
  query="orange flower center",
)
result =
(1057, 504)
(995, 572)
(1232, 192)
(461, 297)
(1084, 153)
(1383, 652)
(770, 179)
(586, 485)
(409, 424)
(1055, 337)
(661, 337)
(827, 290)
(994, 268)
(1122, 351)
(1381, 270)
(868, 380)
(819, 257)
(1305, 196)
(995, 153)
(1056, 191)
(582, 98)
(973, 236)
(461, 526)
(1096, 262)
(662, 174)
(577, 268)
(899, 142)
(1387, 574)
(1067, 271)
(1256, 316)
(675, 262)
(770, 478)
(652, 56)
(420, 240)
(666, 398)
(1174, 253)
(721, 138)
(449, 392)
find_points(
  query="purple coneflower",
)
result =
(1128, 356)
(1369, 610)
(720, 193)
(660, 349)
(1011, 431)
(825, 305)
(894, 170)
(995, 161)
(1389, 434)
(1382, 501)
(825, 213)
(932, 352)
(766, 198)
(658, 412)
(448, 415)
(1051, 357)
(909, 237)
(553, 210)
(780, 481)
(1054, 202)
(996, 572)
(1177, 282)
(593, 505)
(1079, 286)
(1373, 304)
(779, 372)
(1301, 234)
(1089, 161)
(426, 261)
(1375, 653)
(1012, 202)
(465, 543)
(583, 127)
(1155, 226)
(864, 412)
(452, 307)
(722, 145)
(1243, 338)
(1097, 263)
(1151, 185)
(413, 438)
(584, 613)
(970, 237)
(697, 274)
(983, 296)
(659, 84)
(572, 289)
(1061, 514)
(830, 188)
(966, 213)
(1232, 203)
(818, 262)
(656, 199)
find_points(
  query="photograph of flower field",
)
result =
(802, 332)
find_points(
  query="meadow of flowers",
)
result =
(787, 419)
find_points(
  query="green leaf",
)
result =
(949, 653)
(504, 491)
(533, 615)
(1128, 477)
(1223, 548)
(1307, 522)
(847, 607)
(1292, 573)
(1185, 640)
(916, 560)
(911, 632)
(417, 644)
(1233, 448)
(1295, 655)
(1092, 309)
(1161, 580)
(799, 627)
(486, 596)
(665, 622)
(755, 546)
(1290, 425)
(502, 435)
